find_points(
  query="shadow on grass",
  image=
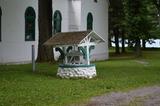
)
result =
(122, 56)
(42, 69)
(46, 73)
(46, 69)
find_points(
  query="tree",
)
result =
(45, 54)
(123, 41)
(157, 5)
(116, 21)
(138, 22)
(156, 18)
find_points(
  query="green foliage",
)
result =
(116, 21)
(155, 15)
(137, 17)
(116, 15)
(19, 86)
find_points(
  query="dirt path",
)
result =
(149, 96)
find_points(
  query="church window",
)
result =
(89, 21)
(30, 17)
(57, 22)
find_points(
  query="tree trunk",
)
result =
(109, 42)
(144, 44)
(123, 42)
(130, 45)
(138, 47)
(116, 34)
(45, 54)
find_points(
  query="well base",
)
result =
(77, 71)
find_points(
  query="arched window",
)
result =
(57, 22)
(30, 17)
(0, 24)
(89, 21)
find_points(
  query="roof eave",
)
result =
(101, 39)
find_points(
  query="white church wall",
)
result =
(74, 15)
(71, 16)
(99, 11)
(62, 6)
(13, 47)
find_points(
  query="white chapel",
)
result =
(19, 26)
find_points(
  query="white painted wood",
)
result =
(89, 44)
(65, 61)
(99, 11)
(88, 59)
(14, 48)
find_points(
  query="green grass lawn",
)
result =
(19, 86)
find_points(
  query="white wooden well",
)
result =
(75, 49)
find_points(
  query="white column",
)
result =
(88, 59)
(65, 61)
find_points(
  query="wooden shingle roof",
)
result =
(67, 38)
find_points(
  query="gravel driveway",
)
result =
(149, 96)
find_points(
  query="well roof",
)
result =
(67, 38)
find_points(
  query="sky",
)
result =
(156, 44)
